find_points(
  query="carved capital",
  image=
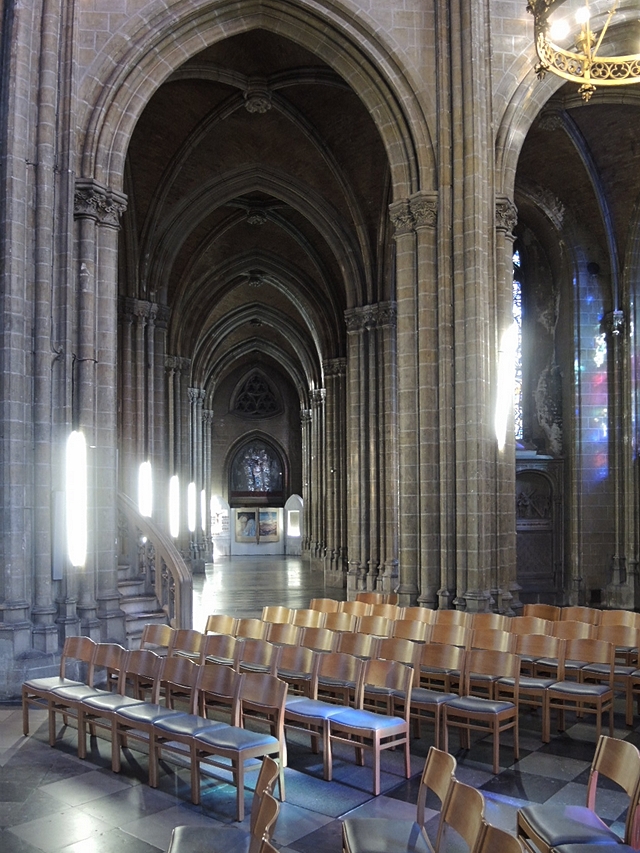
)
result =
(370, 317)
(318, 396)
(401, 218)
(257, 98)
(207, 416)
(506, 215)
(424, 209)
(94, 201)
(335, 367)
(177, 364)
(305, 416)
(196, 395)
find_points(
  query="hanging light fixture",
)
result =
(588, 63)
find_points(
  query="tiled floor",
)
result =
(51, 801)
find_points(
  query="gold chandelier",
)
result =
(586, 64)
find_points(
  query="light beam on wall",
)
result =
(191, 507)
(506, 378)
(203, 510)
(76, 498)
(174, 506)
(145, 491)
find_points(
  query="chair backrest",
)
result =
(397, 648)
(592, 651)
(354, 643)
(108, 659)
(218, 689)
(437, 660)
(389, 611)
(296, 663)
(618, 760)
(496, 840)
(264, 785)
(325, 605)
(493, 638)
(264, 825)
(377, 626)
(450, 635)
(490, 662)
(257, 654)
(178, 679)
(262, 698)
(356, 608)
(251, 628)
(220, 623)
(389, 682)
(571, 630)
(539, 646)
(620, 635)
(370, 597)
(218, 648)
(276, 613)
(452, 617)
(308, 618)
(319, 639)
(140, 668)
(495, 621)
(420, 614)
(77, 649)
(283, 634)
(409, 629)
(620, 617)
(464, 813)
(544, 611)
(530, 625)
(156, 637)
(340, 621)
(337, 676)
(581, 614)
(186, 640)
(438, 775)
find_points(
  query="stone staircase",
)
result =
(139, 606)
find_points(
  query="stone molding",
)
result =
(418, 211)
(177, 363)
(335, 367)
(318, 396)
(506, 216)
(305, 416)
(370, 317)
(94, 201)
(401, 218)
(196, 395)
(140, 308)
(550, 204)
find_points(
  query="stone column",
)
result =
(408, 401)
(126, 392)
(318, 532)
(356, 493)
(386, 418)
(207, 422)
(305, 420)
(335, 472)
(507, 593)
(196, 399)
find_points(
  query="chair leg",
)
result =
(239, 774)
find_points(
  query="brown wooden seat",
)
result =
(450, 635)
(186, 642)
(220, 623)
(277, 613)
(361, 645)
(530, 625)
(496, 840)
(283, 634)
(296, 666)
(370, 597)
(546, 826)
(340, 621)
(257, 656)
(410, 629)
(572, 630)
(420, 614)
(493, 621)
(324, 605)
(544, 611)
(218, 648)
(463, 813)
(389, 611)
(377, 626)
(319, 639)
(452, 617)
(157, 638)
(591, 615)
(308, 618)
(433, 685)
(470, 712)
(251, 628)
(355, 608)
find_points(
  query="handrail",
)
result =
(172, 580)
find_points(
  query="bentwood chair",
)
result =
(452, 617)
(157, 638)
(324, 605)
(496, 840)
(218, 648)
(544, 611)
(380, 835)
(432, 685)
(544, 827)
(581, 614)
(308, 618)
(220, 623)
(319, 639)
(277, 613)
(464, 814)
(410, 629)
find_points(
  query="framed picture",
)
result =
(247, 525)
(268, 525)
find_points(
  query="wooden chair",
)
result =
(544, 611)
(620, 617)
(360, 645)
(496, 840)
(530, 625)
(319, 639)
(470, 712)
(370, 597)
(36, 692)
(399, 649)
(202, 839)
(340, 621)
(218, 693)
(140, 668)
(625, 640)
(335, 679)
(218, 648)
(277, 613)
(186, 642)
(452, 617)
(308, 618)
(283, 634)
(377, 626)
(355, 608)
(380, 835)
(324, 605)
(368, 729)
(389, 611)
(432, 685)
(409, 629)
(296, 666)
(579, 696)
(157, 638)
(257, 656)
(260, 695)
(219, 623)
(450, 635)
(250, 628)
(420, 614)
(491, 639)
(464, 814)
(546, 826)
(66, 699)
(580, 614)
(572, 630)
(493, 621)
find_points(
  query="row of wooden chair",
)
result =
(582, 613)
(461, 812)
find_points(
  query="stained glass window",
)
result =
(517, 317)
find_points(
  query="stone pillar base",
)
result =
(407, 594)
(477, 601)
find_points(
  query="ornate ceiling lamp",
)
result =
(588, 64)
